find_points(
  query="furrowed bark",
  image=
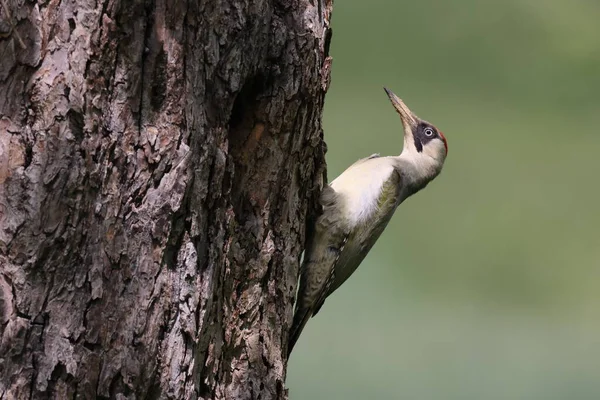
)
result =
(158, 163)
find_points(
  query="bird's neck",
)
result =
(417, 169)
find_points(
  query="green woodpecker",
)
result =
(357, 207)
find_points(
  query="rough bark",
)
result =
(158, 162)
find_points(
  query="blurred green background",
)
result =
(486, 284)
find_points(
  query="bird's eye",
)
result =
(428, 132)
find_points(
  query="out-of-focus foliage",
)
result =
(486, 285)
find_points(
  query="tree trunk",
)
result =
(158, 163)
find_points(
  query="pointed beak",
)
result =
(409, 120)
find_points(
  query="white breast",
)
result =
(360, 186)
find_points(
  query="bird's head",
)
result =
(424, 144)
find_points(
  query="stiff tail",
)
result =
(301, 317)
(305, 308)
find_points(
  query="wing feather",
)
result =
(362, 238)
(338, 250)
(324, 250)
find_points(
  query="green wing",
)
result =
(363, 237)
(327, 238)
(338, 251)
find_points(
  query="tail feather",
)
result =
(317, 250)
(301, 317)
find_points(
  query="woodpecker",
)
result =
(356, 208)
